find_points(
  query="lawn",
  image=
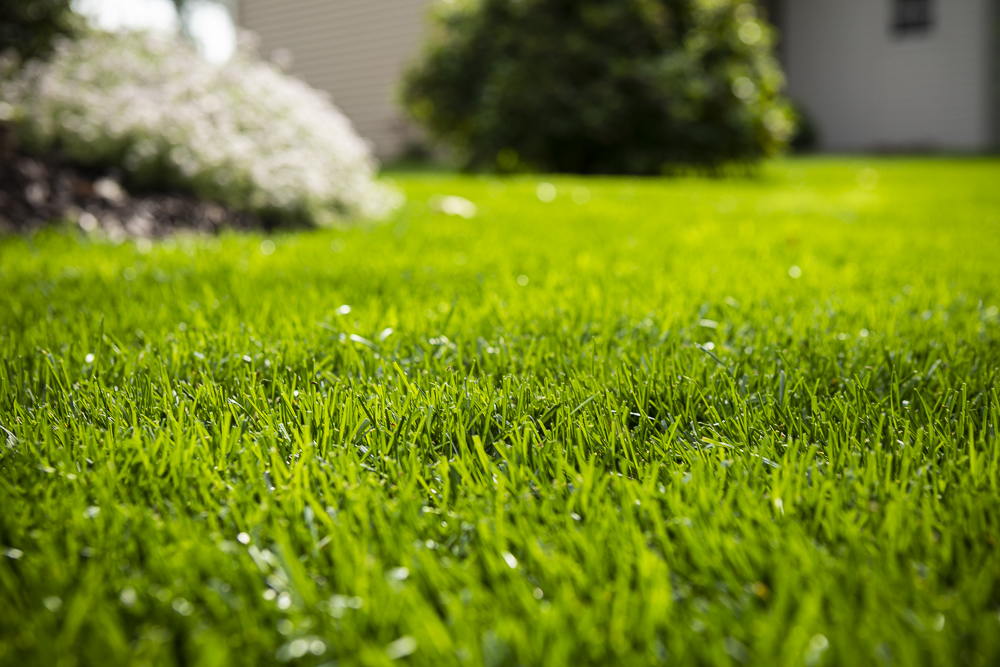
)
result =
(689, 421)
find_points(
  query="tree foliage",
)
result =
(28, 27)
(600, 86)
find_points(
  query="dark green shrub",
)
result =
(600, 86)
(805, 139)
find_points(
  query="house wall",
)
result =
(865, 87)
(356, 49)
(869, 89)
(995, 73)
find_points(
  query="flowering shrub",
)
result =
(243, 134)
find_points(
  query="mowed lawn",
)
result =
(687, 421)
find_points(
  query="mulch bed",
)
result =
(39, 191)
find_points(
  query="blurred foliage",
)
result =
(805, 139)
(243, 134)
(600, 86)
(185, 7)
(28, 27)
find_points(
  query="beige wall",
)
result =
(355, 49)
(868, 89)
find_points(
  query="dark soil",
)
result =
(39, 191)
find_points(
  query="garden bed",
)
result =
(38, 191)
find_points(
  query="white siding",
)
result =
(868, 88)
(355, 49)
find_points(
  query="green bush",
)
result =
(600, 86)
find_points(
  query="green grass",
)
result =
(689, 421)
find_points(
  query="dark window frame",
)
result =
(912, 17)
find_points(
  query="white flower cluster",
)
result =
(243, 134)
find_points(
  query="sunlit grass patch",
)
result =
(604, 421)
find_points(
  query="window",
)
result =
(911, 16)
